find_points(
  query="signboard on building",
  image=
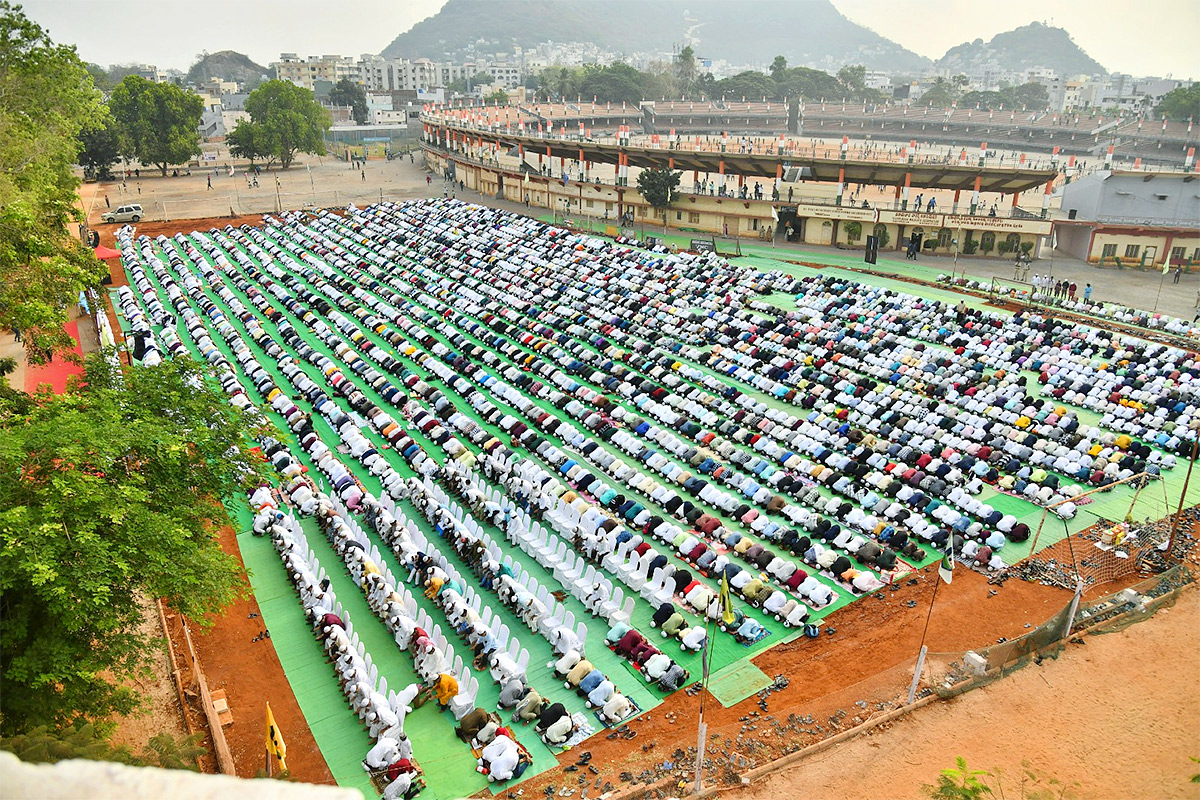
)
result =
(835, 212)
(912, 218)
(1038, 227)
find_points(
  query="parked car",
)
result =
(129, 213)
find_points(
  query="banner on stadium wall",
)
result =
(1038, 227)
(835, 212)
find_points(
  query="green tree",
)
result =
(99, 76)
(348, 93)
(615, 83)
(289, 121)
(942, 93)
(561, 82)
(159, 123)
(109, 493)
(1030, 95)
(778, 67)
(499, 97)
(660, 80)
(1181, 104)
(659, 186)
(986, 101)
(42, 745)
(685, 70)
(811, 84)
(46, 100)
(750, 85)
(247, 141)
(959, 783)
(100, 147)
(853, 77)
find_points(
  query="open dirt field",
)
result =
(1118, 716)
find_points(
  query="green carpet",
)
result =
(448, 763)
(735, 683)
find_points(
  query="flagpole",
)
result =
(912, 688)
(701, 728)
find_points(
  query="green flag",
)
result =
(727, 615)
(946, 568)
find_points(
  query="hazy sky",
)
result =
(1160, 39)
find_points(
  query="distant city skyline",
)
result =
(156, 32)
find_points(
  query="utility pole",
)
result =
(1183, 494)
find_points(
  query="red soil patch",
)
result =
(250, 673)
(868, 660)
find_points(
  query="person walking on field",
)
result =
(1178, 273)
(364, 176)
(209, 181)
(109, 205)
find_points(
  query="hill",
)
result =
(1033, 45)
(229, 66)
(807, 32)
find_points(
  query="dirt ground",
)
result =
(835, 682)
(1125, 718)
(161, 712)
(250, 673)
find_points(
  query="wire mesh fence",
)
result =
(950, 674)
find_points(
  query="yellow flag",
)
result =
(275, 743)
(726, 604)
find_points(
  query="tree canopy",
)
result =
(46, 100)
(1181, 104)
(100, 147)
(621, 82)
(659, 186)
(109, 493)
(614, 83)
(1028, 95)
(348, 93)
(685, 70)
(751, 85)
(248, 141)
(499, 97)
(159, 123)
(286, 120)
